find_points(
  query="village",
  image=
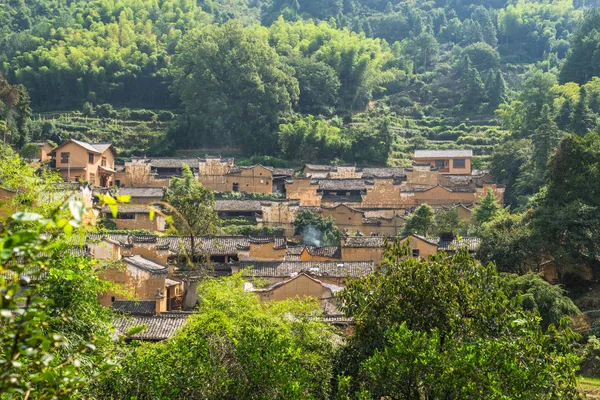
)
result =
(368, 205)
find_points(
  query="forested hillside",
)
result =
(356, 81)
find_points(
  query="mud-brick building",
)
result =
(368, 223)
(153, 172)
(79, 161)
(244, 209)
(303, 286)
(454, 162)
(143, 279)
(142, 195)
(132, 217)
(222, 175)
(331, 272)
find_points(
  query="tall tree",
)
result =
(544, 142)
(193, 205)
(497, 92)
(563, 120)
(582, 59)
(234, 84)
(473, 89)
(420, 221)
(428, 328)
(316, 230)
(487, 208)
(582, 120)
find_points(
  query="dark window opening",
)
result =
(459, 163)
(440, 163)
(90, 158)
(125, 216)
(416, 252)
(236, 187)
(64, 157)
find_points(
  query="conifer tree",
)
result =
(544, 140)
(582, 120)
(472, 87)
(487, 209)
(564, 116)
(497, 89)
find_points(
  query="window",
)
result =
(90, 158)
(236, 187)
(267, 183)
(93, 179)
(459, 163)
(416, 252)
(103, 162)
(262, 181)
(64, 157)
(125, 216)
(440, 163)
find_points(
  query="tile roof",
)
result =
(443, 153)
(279, 242)
(280, 269)
(342, 184)
(141, 192)
(284, 171)
(333, 288)
(170, 162)
(470, 243)
(135, 307)
(145, 264)
(87, 146)
(364, 242)
(101, 147)
(325, 251)
(128, 208)
(237, 205)
(319, 167)
(389, 172)
(157, 327)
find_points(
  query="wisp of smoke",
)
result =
(312, 236)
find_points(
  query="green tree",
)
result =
(423, 50)
(544, 142)
(509, 242)
(581, 63)
(234, 347)
(497, 90)
(316, 230)
(487, 208)
(319, 86)
(482, 56)
(431, 327)
(473, 89)
(565, 216)
(448, 221)
(539, 296)
(248, 86)
(193, 204)
(582, 120)
(563, 119)
(420, 221)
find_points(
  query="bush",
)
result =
(106, 111)
(142, 115)
(165, 116)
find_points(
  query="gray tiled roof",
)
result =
(284, 171)
(319, 167)
(324, 251)
(342, 184)
(284, 269)
(237, 205)
(443, 153)
(157, 327)
(135, 307)
(128, 208)
(170, 162)
(364, 242)
(470, 243)
(101, 147)
(141, 192)
(383, 172)
(145, 264)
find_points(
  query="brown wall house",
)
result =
(371, 248)
(456, 162)
(130, 217)
(142, 195)
(80, 161)
(304, 190)
(303, 286)
(139, 278)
